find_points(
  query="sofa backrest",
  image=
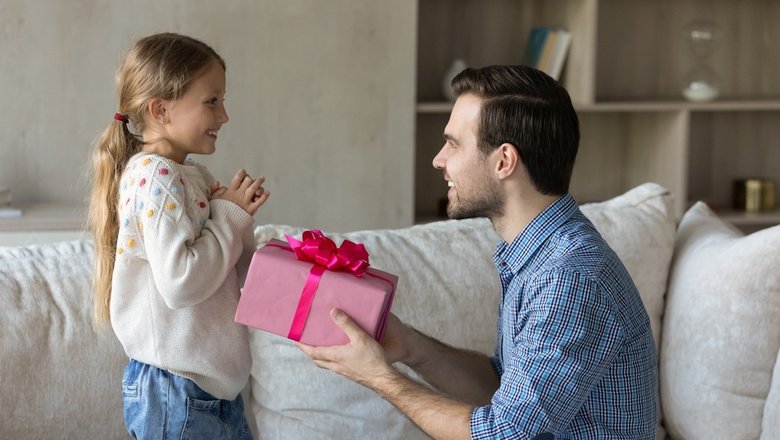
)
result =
(58, 377)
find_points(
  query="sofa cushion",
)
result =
(720, 332)
(448, 289)
(640, 226)
(59, 378)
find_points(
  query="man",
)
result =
(575, 355)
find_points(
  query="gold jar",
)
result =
(768, 196)
(748, 195)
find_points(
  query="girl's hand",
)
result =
(216, 190)
(245, 192)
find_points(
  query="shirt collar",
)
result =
(516, 254)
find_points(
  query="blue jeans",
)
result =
(162, 405)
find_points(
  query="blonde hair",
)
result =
(158, 66)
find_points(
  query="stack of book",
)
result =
(6, 210)
(546, 49)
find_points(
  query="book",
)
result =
(548, 51)
(558, 57)
(535, 45)
(10, 212)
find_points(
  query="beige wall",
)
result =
(320, 96)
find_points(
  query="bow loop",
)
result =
(316, 248)
(354, 257)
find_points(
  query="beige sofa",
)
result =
(713, 297)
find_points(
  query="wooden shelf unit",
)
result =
(624, 72)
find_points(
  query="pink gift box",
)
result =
(273, 288)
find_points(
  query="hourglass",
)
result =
(701, 82)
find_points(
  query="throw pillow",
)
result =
(720, 333)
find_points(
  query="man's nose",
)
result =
(438, 160)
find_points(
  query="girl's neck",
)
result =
(164, 148)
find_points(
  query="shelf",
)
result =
(655, 106)
(428, 217)
(768, 218)
(434, 107)
(641, 106)
(44, 217)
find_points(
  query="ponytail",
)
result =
(110, 155)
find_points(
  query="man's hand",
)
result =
(362, 360)
(395, 341)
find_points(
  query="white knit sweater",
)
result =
(176, 284)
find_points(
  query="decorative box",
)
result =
(291, 288)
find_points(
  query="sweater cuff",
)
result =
(221, 208)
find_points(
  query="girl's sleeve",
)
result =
(250, 245)
(187, 266)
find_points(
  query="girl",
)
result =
(168, 239)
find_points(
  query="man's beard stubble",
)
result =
(490, 204)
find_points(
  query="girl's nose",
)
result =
(223, 116)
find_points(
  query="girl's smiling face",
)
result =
(193, 120)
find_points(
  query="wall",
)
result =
(320, 98)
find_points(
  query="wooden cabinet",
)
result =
(625, 72)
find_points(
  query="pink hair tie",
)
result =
(121, 117)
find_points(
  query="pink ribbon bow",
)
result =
(322, 251)
(315, 247)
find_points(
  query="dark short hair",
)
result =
(525, 107)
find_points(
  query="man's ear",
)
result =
(507, 161)
(157, 111)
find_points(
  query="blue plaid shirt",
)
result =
(575, 352)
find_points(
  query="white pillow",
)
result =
(448, 288)
(721, 332)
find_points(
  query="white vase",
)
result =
(458, 65)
